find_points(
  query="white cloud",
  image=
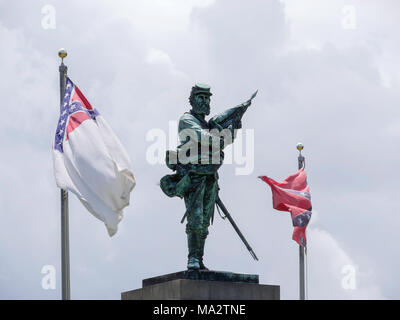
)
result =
(160, 58)
(326, 262)
(158, 16)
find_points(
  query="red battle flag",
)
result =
(293, 195)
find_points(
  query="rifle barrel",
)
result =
(225, 211)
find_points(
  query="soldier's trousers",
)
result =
(201, 206)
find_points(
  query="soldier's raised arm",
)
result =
(232, 117)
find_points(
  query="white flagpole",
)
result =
(301, 248)
(66, 289)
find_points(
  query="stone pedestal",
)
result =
(203, 285)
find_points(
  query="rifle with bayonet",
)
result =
(232, 117)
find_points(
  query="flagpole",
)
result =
(65, 274)
(300, 160)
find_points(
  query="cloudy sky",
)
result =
(328, 75)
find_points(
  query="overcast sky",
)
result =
(328, 75)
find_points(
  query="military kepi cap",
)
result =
(201, 88)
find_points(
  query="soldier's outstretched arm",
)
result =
(233, 116)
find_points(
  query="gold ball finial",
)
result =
(62, 53)
(300, 146)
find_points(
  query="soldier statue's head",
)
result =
(200, 99)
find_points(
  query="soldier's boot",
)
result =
(193, 245)
(201, 252)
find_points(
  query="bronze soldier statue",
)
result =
(196, 162)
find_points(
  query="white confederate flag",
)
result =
(90, 161)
